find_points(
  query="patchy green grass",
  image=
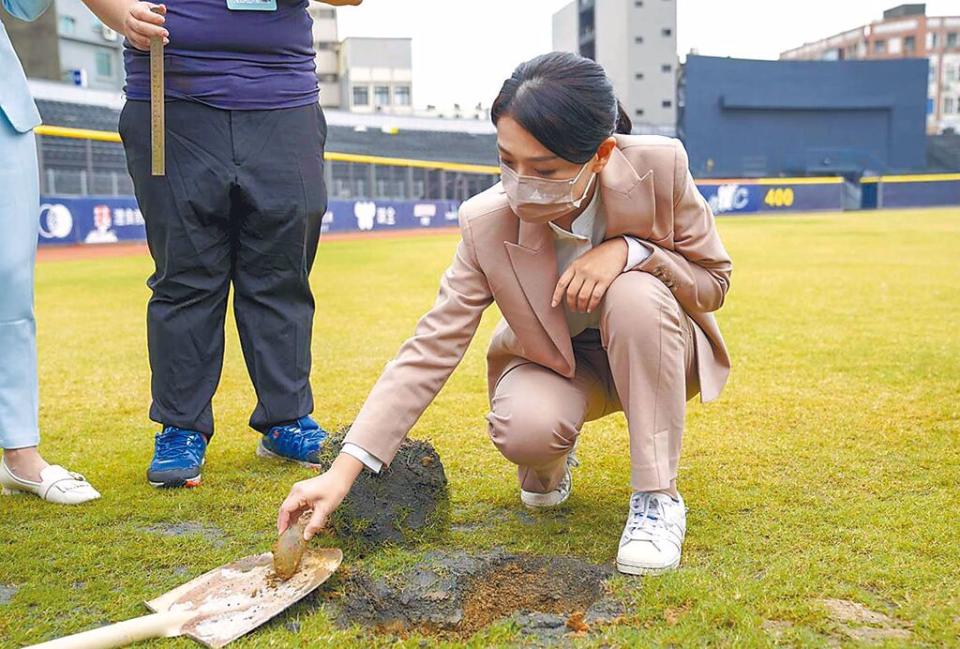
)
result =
(830, 469)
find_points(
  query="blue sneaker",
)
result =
(298, 442)
(177, 458)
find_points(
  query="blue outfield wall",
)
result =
(74, 220)
(772, 195)
(911, 191)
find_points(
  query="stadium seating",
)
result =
(67, 161)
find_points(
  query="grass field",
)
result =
(830, 468)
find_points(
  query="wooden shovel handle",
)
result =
(158, 625)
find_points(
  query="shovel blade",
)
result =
(232, 600)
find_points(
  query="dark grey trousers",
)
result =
(241, 203)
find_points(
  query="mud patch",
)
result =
(7, 592)
(404, 499)
(546, 628)
(465, 528)
(874, 634)
(776, 629)
(456, 595)
(561, 586)
(213, 535)
(604, 611)
(858, 622)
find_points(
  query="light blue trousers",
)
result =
(19, 208)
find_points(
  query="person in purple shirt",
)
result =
(240, 205)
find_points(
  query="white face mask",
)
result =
(541, 199)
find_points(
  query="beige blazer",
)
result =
(647, 192)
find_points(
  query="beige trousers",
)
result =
(640, 361)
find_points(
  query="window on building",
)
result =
(880, 47)
(361, 96)
(68, 25)
(949, 105)
(401, 95)
(639, 76)
(666, 31)
(910, 44)
(951, 72)
(639, 112)
(381, 96)
(638, 39)
(325, 46)
(638, 3)
(104, 64)
(666, 67)
(327, 78)
(952, 39)
(667, 103)
(932, 38)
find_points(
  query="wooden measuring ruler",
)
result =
(157, 123)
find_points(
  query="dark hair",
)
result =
(565, 101)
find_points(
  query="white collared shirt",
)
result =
(587, 231)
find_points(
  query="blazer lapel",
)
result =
(534, 261)
(628, 198)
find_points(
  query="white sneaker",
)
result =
(57, 485)
(560, 494)
(653, 535)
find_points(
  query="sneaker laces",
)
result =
(171, 442)
(646, 517)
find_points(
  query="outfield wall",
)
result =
(911, 190)
(754, 195)
(109, 219)
(92, 219)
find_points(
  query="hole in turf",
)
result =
(458, 594)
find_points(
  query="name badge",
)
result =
(252, 5)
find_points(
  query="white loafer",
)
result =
(57, 485)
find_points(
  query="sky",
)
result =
(464, 49)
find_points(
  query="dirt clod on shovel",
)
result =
(288, 551)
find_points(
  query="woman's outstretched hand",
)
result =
(585, 281)
(322, 494)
